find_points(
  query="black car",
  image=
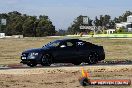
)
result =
(73, 51)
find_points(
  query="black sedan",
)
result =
(73, 51)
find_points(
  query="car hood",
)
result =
(35, 50)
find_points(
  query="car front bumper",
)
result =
(28, 61)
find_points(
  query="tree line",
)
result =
(103, 20)
(33, 26)
(29, 26)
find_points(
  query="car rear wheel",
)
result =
(93, 58)
(46, 60)
(32, 64)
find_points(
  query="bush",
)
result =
(91, 33)
(121, 30)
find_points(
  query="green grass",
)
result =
(116, 49)
(10, 49)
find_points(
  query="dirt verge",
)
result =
(61, 77)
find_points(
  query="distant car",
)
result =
(73, 51)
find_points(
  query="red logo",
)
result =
(85, 81)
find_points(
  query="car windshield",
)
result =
(53, 44)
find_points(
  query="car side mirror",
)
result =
(62, 46)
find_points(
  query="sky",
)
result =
(63, 12)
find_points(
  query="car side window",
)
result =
(69, 44)
(55, 44)
(63, 44)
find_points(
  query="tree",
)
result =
(14, 23)
(102, 21)
(18, 23)
(45, 27)
(61, 32)
(116, 20)
(75, 27)
(96, 21)
(123, 18)
(28, 27)
(111, 24)
(125, 15)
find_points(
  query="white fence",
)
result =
(2, 35)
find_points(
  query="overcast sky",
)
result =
(63, 12)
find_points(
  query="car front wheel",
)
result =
(46, 60)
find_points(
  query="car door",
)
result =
(66, 52)
(82, 49)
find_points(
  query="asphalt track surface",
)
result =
(59, 65)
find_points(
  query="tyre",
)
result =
(32, 64)
(93, 58)
(46, 60)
